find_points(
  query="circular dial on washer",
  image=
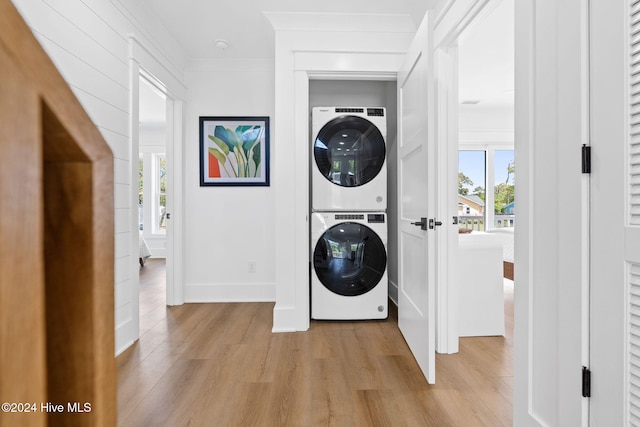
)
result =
(349, 151)
(350, 259)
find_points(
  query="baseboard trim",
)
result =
(284, 319)
(229, 292)
(124, 338)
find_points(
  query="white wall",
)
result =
(228, 227)
(88, 42)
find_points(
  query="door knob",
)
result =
(433, 223)
(422, 223)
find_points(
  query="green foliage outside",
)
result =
(503, 192)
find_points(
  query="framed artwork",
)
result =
(234, 151)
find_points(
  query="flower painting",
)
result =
(234, 151)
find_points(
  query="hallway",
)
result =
(199, 364)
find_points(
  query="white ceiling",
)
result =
(486, 58)
(197, 24)
(152, 104)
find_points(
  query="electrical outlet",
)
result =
(252, 267)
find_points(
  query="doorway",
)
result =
(484, 171)
(152, 193)
(152, 167)
(475, 68)
(144, 64)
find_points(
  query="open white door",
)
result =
(416, 200)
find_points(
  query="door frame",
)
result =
(143, 61)
(455, 18)
(308, 69)
(551, 294)
(615, 239)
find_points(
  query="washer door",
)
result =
(349, 259)
(349, 151)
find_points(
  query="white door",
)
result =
(416, 200)
(615, 213)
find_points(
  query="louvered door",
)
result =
(632, 226)
(633, 364)
(634, 115)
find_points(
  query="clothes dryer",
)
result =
(349, 171)
(349, 263)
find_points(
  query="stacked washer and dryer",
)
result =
(348, 218)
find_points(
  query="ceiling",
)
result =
(486, 58)
(197, 24)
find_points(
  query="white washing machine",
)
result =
(349, 266)
(349, 170)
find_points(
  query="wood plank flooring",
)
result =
(220, 365)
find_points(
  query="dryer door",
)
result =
(349, 259)
(349, 151)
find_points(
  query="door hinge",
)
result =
(586, 382)
(586, 158)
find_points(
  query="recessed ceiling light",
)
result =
(221, 44)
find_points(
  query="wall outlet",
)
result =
(252, 267)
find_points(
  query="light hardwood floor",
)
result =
(220, 365)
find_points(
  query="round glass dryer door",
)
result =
(349, 151)
(350, 259)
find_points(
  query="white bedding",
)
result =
(506, 237)
(144, 249)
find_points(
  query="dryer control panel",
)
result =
(375, 218)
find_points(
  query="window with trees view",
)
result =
(504, 190)
(480, 169)
(471, 188)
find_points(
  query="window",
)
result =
(152, 189)
(504, 189)
(494, 168)
(471, 188)
(160, 196)
(140, 192)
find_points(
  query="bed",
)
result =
(144, 251)
(506, 236)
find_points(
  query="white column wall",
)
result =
(365, 53)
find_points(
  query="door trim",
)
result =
(141, 58)
(455, 18)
